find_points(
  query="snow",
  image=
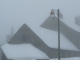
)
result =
(72, 58)
(25, 59)
(51, 39)
(23, 51)
(34, 15)
(73, 26)
(28, 51)
(34, 21)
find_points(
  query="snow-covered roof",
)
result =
(71, 25)
(51, 39)
(23, 51)
(68, 32)
(28, 51)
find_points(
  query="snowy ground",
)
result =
(73, 58)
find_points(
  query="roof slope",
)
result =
(71, 34)
(26, 35)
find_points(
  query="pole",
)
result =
(58, 37)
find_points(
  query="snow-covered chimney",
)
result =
(8, 37)
(12, 31)
(76, 21)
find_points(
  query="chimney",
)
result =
(12, 31)
(76, 21)
(8, 37)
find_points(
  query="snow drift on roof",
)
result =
(51, 39)
(26, 51)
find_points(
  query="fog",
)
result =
(14, 13)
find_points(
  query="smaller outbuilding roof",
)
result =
(23, 51)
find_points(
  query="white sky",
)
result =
(13, 13)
